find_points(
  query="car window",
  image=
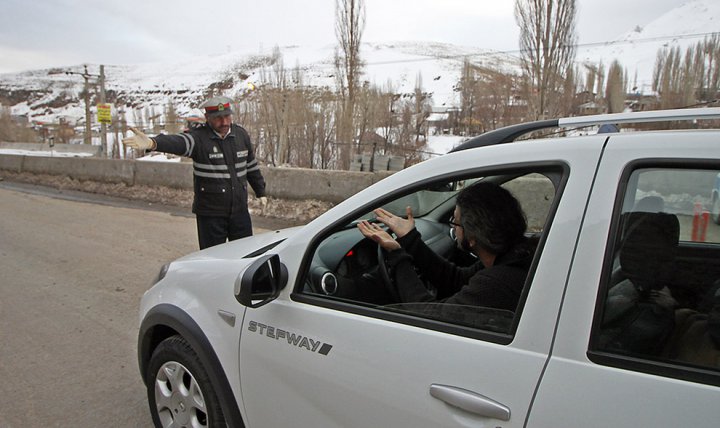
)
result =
(348, 268)
(661, 297)
(692, 195)
(425, 200)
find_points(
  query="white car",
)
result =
(618, 323)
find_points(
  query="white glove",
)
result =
(263, 202)
(139, 141)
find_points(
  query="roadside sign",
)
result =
(104, 113)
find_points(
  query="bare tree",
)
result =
(349, 26)
(422, 107)
(590, 76)
(711, 57)
(686, 79)
(366, 116)
(547, 42)
(568, 99)
(616, 88)
(173, 124)
(320, 127)
(12, 131)
(468, 87)
(387, 120)
(279, 81)
(668, 79)
(272, 111)
(138, 120)
(487, 98)
(600, 81)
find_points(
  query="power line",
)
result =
(513, 52)
(517, 51)
(649, 39)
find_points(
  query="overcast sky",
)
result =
(38, 34)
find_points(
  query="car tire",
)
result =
(715, 213)
(178, 387)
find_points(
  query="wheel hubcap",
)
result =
(178, 398)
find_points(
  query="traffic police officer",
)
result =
(223, 164)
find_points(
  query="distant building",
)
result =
(443, 120)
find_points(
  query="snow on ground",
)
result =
(397, 65)
(150, 86)
(159, 157)
(45, 153)
(441, 144)
(637, 49)
(437, 145)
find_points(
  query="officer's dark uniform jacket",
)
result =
(221, 168)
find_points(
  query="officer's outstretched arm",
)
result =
(139, 141)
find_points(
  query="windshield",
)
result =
(423, 201)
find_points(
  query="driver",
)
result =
(489, 223)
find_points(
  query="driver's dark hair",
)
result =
(491, 216)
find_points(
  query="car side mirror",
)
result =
(261, 282)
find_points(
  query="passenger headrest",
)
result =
(648, 248)
(650, 204)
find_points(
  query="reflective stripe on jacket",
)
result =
(221, 168)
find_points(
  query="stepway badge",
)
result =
(293, 339)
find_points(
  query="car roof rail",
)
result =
(511, 133)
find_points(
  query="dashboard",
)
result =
(345, 265)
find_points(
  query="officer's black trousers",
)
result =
(217, 230)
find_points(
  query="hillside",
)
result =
(50, 94)
(636, 50)
(47, 95)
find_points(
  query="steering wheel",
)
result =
(388, 282)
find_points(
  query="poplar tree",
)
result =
(547, 45)
(616, 89)
(349, 27)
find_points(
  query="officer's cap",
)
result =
(217, 106)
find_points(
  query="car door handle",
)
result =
(470, 401)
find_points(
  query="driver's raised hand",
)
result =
(378, 234)
(400, 226)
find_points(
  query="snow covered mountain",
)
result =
(637, 49)
(46, 95)
(49, 94)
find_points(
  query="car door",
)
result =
(665, 370)
(313, 360)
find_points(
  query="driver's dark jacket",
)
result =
(221, 168)
(498, 286)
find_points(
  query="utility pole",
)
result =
(88, 117)
(103, 126)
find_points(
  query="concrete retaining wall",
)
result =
(65, 148)
(285, 183)
(104, 170)
(324, 185)
(178, 175)
(11, 163)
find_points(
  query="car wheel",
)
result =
(179, 390)
(715, 214)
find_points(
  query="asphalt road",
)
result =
(72, 271)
